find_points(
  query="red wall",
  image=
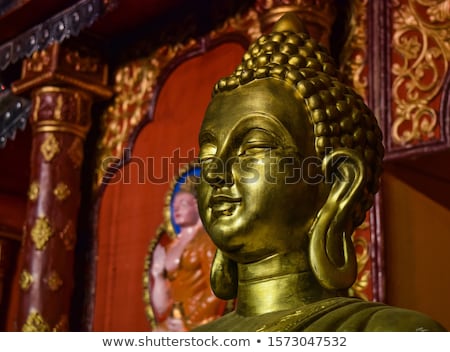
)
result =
(131, 212)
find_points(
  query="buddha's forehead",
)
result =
(267, 101)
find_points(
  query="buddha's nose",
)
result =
(217, 173)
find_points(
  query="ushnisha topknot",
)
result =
(339, 115)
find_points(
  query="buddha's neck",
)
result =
(280, 282)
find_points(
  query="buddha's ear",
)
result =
(224, 276)
(331, 250)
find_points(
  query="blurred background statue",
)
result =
(181, 293)
(291, 159)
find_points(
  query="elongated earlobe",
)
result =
(332, 254)
(224, 276)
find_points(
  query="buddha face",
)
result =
(253, 199)
(185, 211)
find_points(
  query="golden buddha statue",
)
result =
(291, 159)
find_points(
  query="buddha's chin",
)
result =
(226, 238)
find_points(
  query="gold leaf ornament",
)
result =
(25, 280)
(35, 323)
(41, 232)
(61, 191)
(54, 281)
(50, 147)
(33, 191)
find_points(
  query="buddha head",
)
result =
(291, 159)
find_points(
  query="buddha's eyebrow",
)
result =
(206, 137)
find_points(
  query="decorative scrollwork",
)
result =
(421, 44)
(354, 53)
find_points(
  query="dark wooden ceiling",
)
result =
(21, 15)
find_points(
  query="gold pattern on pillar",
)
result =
(63, 83)
(54, 281)
(50, 147)
(25, 280)
(35, 323)
(41, 232)
(33, 191)
(61, 191)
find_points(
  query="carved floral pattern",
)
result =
(354, 53)
(421, 51)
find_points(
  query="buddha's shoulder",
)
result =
(335, 314)
(399, 319)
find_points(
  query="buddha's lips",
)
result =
(223, 205)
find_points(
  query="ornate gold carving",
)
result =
(33, 191)
(35, 323)
(439, 12)
(61, 191)
(41, 232)
(63, 324)
(353, 56)
(25, 280)
(75, 153)
(247, 24)
(56, 65)
(39, 61)
(54, 281)
(58, 108)
(36, 107)
(82, 64)
(422, 47)
(135, 85)
(67, 108)
(50, 147)
(68, 236)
